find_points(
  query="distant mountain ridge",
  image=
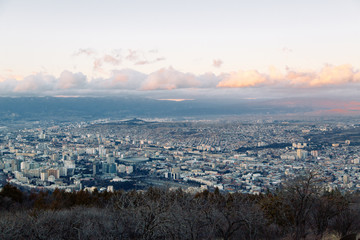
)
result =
(88, 108)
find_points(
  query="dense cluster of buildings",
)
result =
(250, 157)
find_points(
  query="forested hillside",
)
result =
(300, 209)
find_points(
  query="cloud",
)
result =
(144, 62)
(85, 51)
(242, 79)
(7, 86)
(217, 63)
(44, 84)
(112, 59)
(168, 79)
(35, 83)
(98, 64)
(10, 74)
(69, 80)
(132, 55)
(334, 75)
(126, 79)
(139, 57)
(338, 80)
(275, 73)
(301, 79)
(103, 62)
(208, 80)
(329, 75)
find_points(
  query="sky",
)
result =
(180, 49)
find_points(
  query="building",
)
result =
(43, 176)
(53, 172)
(129, 169)
(301, 154)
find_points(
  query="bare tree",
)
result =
(326, 207)
(291, 206)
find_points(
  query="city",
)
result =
(224, 120)
(251, 155)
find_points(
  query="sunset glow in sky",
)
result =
(180, 49)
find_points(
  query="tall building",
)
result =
(69, 164)
(110, 158)
(102, 151)
(43, 175)
(105, 167)
(301, 154)
(96, 168)
(54, 172)
(112, 168)
(314, 153)
(24, 166)
(15, 165)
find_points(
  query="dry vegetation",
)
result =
(301, 209)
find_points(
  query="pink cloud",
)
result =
(217, 63)
(294, 78)
(242, 79)
(133, 55)
(340, 79)
(143, 62)
(329, 75)
(334, 75)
